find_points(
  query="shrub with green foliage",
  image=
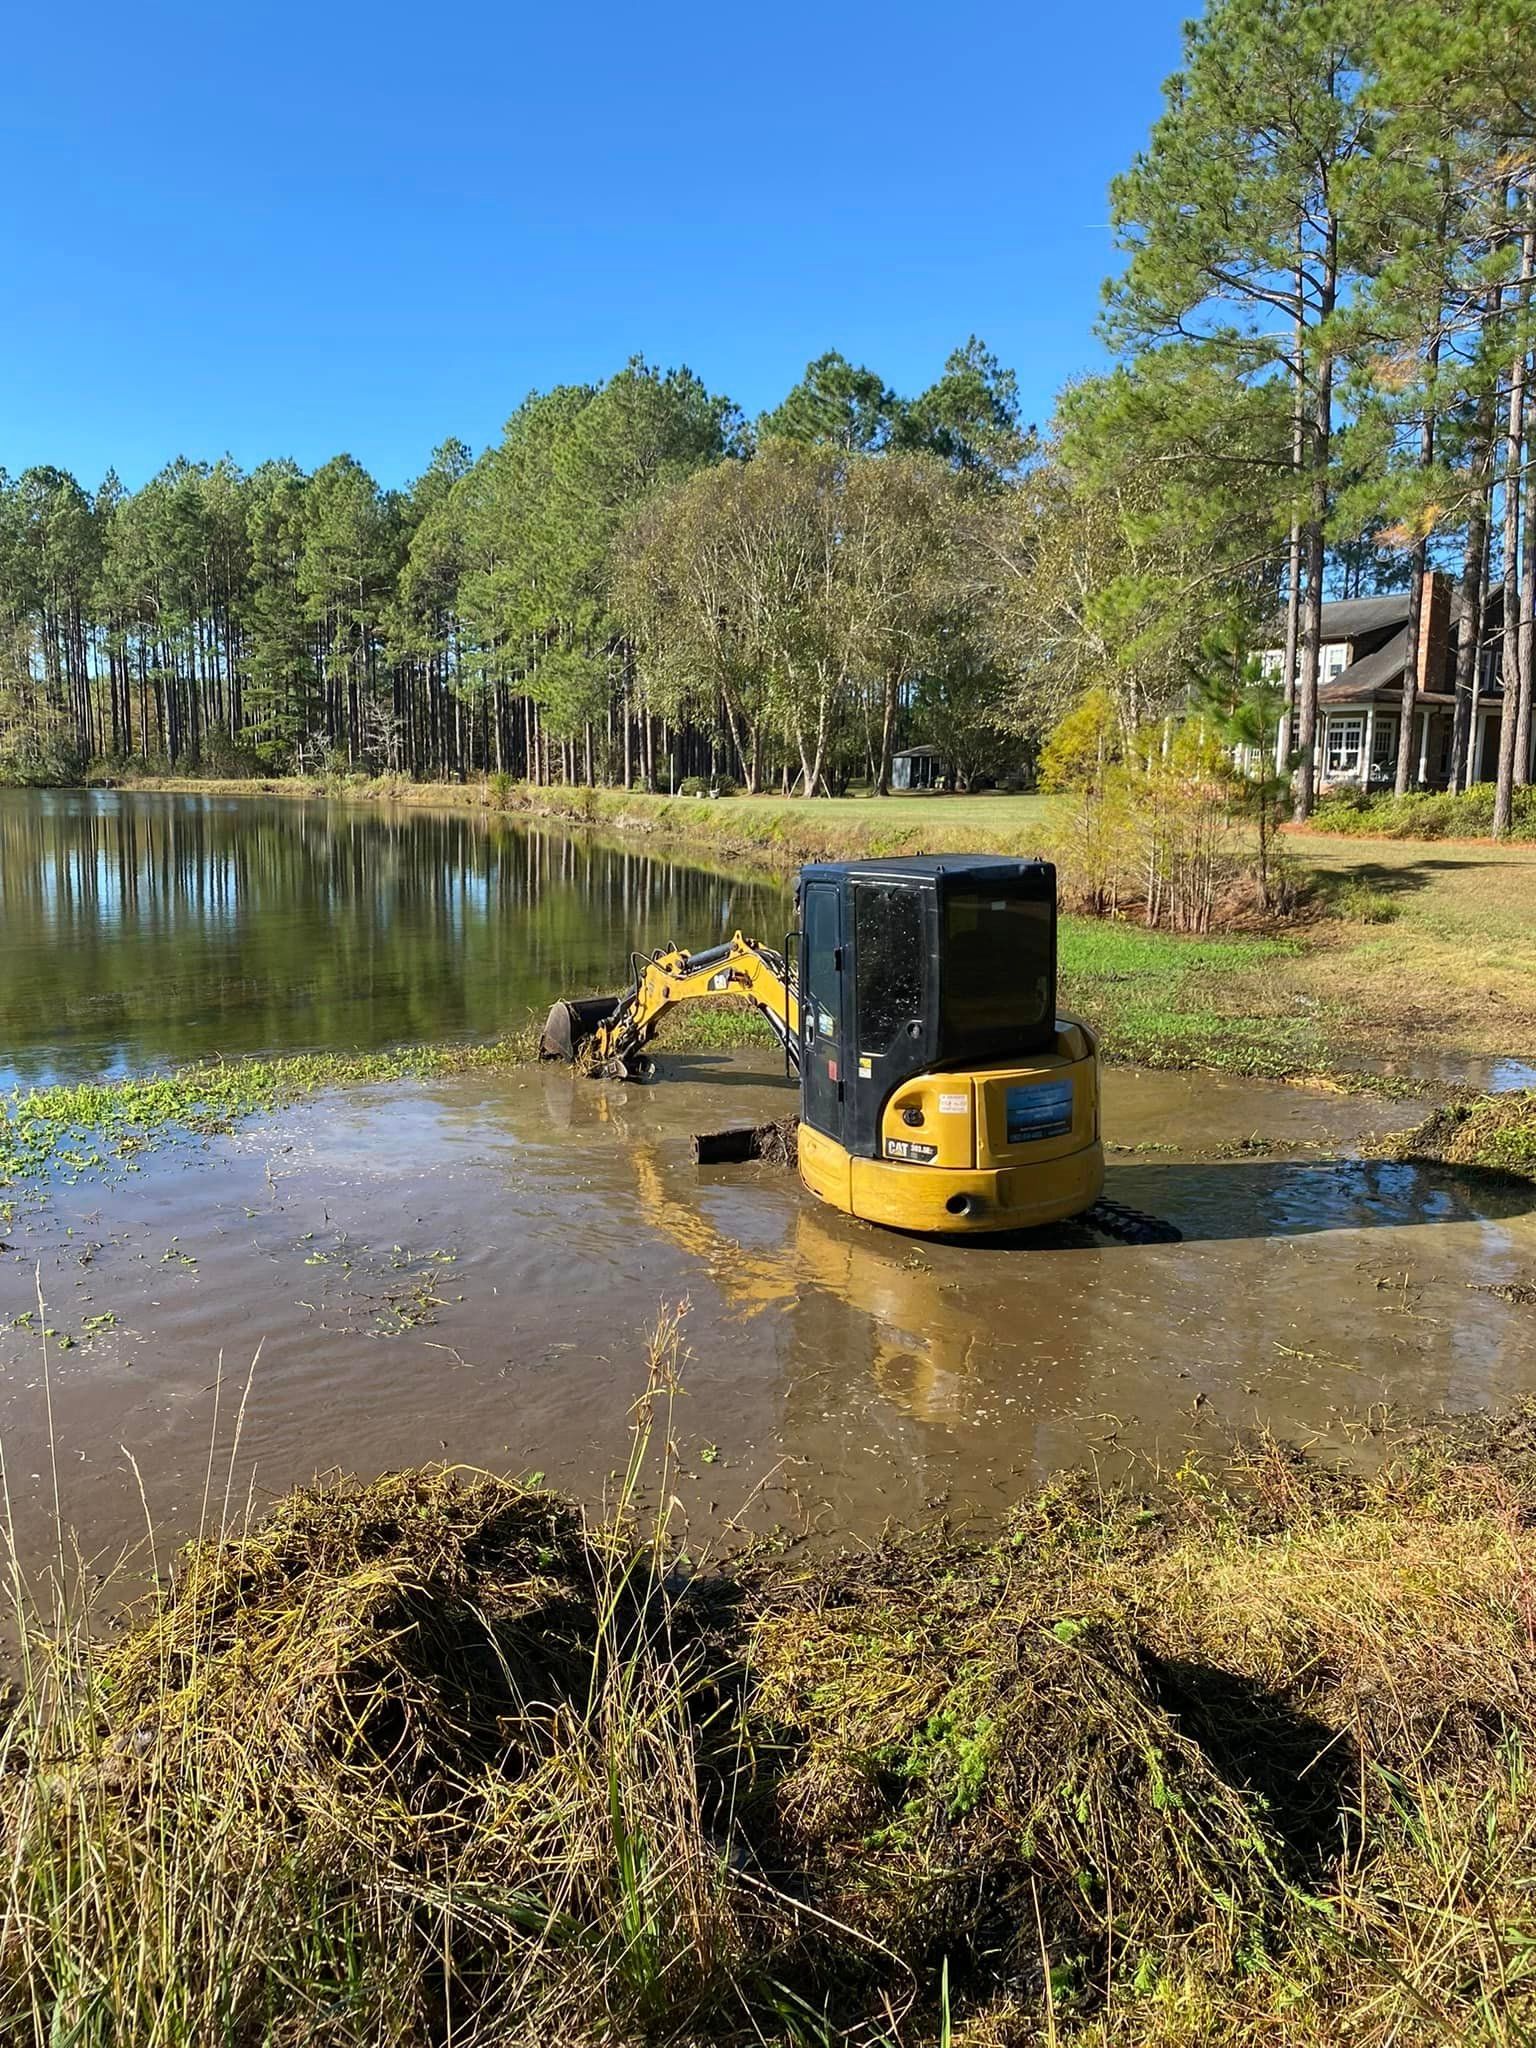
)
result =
(1423, 814)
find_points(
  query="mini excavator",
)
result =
(939, 1089)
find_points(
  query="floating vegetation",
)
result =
(439, 1759)
(69, 1132)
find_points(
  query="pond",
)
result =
(137, 931)
(470, 1268)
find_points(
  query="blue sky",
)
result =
(299, 229)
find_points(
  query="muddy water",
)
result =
(470, 1269)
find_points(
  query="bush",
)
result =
(225, 760)
(1423, 814)
(1348, 896)
(1364, 905)
(707, 785)
(1162, 821)
(47, 757)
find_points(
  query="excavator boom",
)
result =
(610, 1033)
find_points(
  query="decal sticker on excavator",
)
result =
(954, 1105)
(721, 980)
(903, 1148)
(1042, 1109)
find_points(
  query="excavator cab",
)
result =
(939, 1089)
(930, 1040)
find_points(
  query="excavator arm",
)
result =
(610, 1033)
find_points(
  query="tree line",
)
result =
(1321, 335)
(1324, 332)
(528, 611)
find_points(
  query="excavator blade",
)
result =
(569, 1025)
(778, 1143)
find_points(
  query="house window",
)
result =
(1342, 745)
(1335, 660)
(1384, 746)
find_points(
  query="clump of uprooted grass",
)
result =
(438, 1759)
(1489, 1133)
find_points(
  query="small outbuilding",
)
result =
(919, 768)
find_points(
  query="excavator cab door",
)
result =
(867, 976)
(823, 1077)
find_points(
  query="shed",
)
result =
(918, 768)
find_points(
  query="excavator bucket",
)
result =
(569, 1025)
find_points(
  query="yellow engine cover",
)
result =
(982, 1149)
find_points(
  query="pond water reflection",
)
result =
(137, 930)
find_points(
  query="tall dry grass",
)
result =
(440, 1759)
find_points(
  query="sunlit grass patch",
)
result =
(1104, 947)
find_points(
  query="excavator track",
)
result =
(776, 1143)
(1128, 1225)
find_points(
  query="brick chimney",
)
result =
(1434, 631)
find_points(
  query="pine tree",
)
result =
(282, 693)
(1235, 231)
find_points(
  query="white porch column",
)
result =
(1369, 745)
(1423, 746)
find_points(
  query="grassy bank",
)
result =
(1451, 966)
(1488, 1133)
(1221, 1003)
(783, 830)
(440, 1760)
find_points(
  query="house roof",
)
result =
(1352, 617)
(1363, 678)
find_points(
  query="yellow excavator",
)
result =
(939, 1089)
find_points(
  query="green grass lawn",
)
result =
(1162, 1000)
(1453, 961)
